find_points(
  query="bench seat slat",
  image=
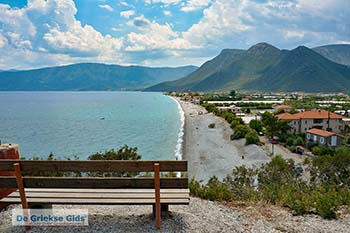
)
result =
(96, 201)
(78, 190)
(100, 195)
(94, 165)
(92, 182)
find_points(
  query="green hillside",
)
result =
(89, 76)
(264, 67)
(339, 53)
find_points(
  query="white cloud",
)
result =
(48, 33)
(2, 41)
(106, 7)
(223, 18)
(127, 14)
(124, 3)
(166, 2)
(167, 13)
(294, 34)
(192, 5)
(154, 36)
(241, 23)
(51, 26)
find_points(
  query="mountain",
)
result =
(339, 53)
(264, 67)
(89, 76)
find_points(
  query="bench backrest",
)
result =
(34, 166)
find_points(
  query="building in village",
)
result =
(323, 138)
(320, 119)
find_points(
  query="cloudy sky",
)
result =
(38, 33)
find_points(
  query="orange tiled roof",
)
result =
(287, 116)
(320, 132)
(320, 114)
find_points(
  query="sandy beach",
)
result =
(210, 152)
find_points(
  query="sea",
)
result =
(78, 124)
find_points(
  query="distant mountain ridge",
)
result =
(264, 67)
(339, 53)
(89, 76)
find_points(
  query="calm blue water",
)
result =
(70, 123)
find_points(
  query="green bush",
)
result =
(298, 141)
(256, 125)
(211, 126)
(252, 137)
(240, 131)
(290, 141)
(123, 153)
(214, 190)
(326, 204)
(279, 184)
(235, 123)
(317, 150)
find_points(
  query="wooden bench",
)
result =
(87, 190)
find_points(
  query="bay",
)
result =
(78, 124)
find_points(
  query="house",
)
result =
(319, 119)
(285, 108)
(233, 109)
(323, 138)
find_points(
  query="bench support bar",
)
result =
(21, 191)
(157, 194)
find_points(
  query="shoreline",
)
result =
(179, 149)
(210, 152)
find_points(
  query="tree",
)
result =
(123, 153)
(270, 124)
(273, 126)
(233, 93)
(283, 126)
(240, 131)
(234, 123)
(256, 125)
(252, 138)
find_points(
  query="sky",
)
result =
(39, 33)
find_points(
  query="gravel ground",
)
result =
(199, 216)
(210, 152)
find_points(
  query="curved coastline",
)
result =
(181, 134)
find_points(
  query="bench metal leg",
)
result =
(157, 194)
(22, 193)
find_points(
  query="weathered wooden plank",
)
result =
(97, 201)
(93, 166)
(77, 190)
(101, 195)
(92, 182)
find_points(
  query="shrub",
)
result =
(229, 117)
(298, 141)
(234, 123)
(256, 125)
(290, 141)
(252, 137)
(316, 150)
(326, 204)
(214, 190)
(123, 153)
(210, 107)
(240, 131)
(279, 184)
(241, 183)
(211, 126)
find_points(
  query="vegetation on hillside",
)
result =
(278, 183)
(240, 130)
(264, 67)
(89, 76)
